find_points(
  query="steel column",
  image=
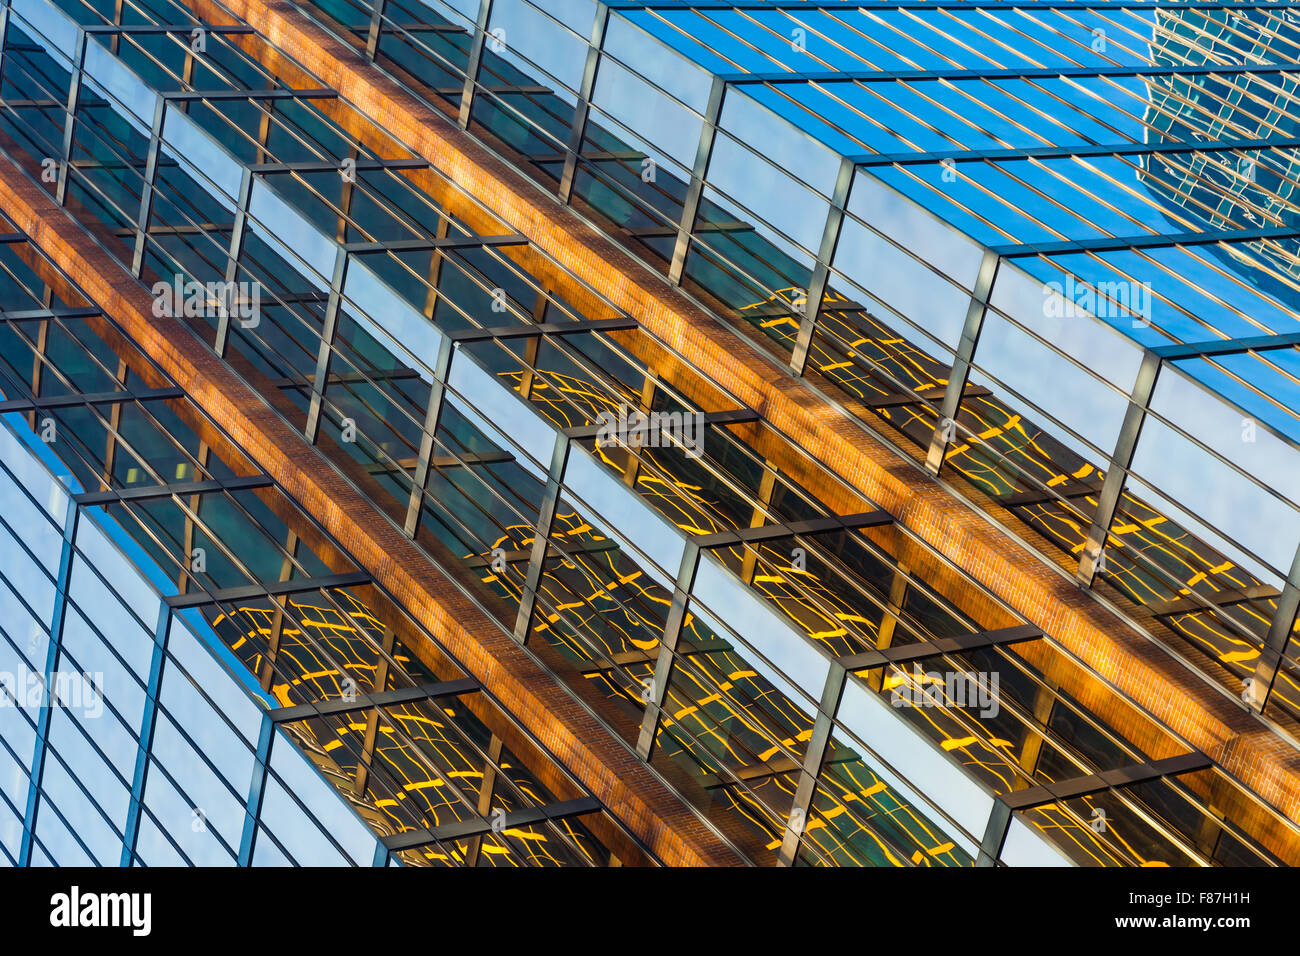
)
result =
(1113, 485)
(821, 271)
(960, 373)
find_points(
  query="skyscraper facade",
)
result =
(559, 432)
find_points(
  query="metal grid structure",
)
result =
(144, 550)
(872, 189)
(439, 375)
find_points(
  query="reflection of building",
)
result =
(1229, 190)
(361, 504)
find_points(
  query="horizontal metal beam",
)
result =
(190, 96)
(637, 656)
(1255, 343)
(1036, 73)
(147, 492)
(774, 532)
(1208, 237)
(34, 315)
(423, 245)
(534, 329)
(903, 399)
(43, 103)
(94, 398)
(325, 166)
(1202, 602)
(148, 29)
(1108, 780)
(1035, 496)
(416, 27)
(349, 378)
(1081, 151)
(462, 829)
(999, 5)
(464, 460)
(553, 553)
(387, 698)
(907, 653)
(730, 416)
(246, 592)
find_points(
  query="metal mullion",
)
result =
(256, 791)
(71, 520)
(327, 336)
(237, 232)
(70, 121)
(694, 192)
(347, 191)
(363, 163)
(1117, 471)
(114, 427)
(1279, 637)
(821, 272)
(4, 31)
(762, 509)
(475, 62)
(1106, 780)
(219, 594)
(582, 109)
(487, 787)
(380, 681)
(634, 606)
(266, 675)
(432, 419)
(532, 345)
(376, 28)
(542, 535)
(389, 461)
(644, 402)
(893, 612)
(995, 834)
(150, 177)
(428, 759)
(814, 757)
(1044, 707)
(147, 723)
(114, 42)
(435, 266)
(39, 359)
(668, 642)
(430, 764)
(456, 523)
(960, 373)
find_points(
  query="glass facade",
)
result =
(969, 225)
(956, 221)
